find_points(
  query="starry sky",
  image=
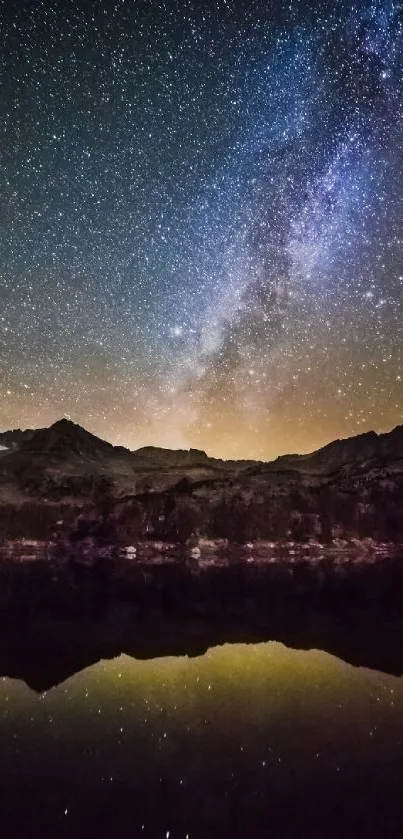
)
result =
(201, 220)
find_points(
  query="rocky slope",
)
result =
(64, 483)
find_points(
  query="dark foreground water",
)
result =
(244, 741)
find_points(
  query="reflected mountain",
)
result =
(57, 619)
(44, 653)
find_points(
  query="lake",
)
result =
(245, 740)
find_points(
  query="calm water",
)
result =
(245, 741)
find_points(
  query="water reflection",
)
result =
(44, 652)
(243, 741)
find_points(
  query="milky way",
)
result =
(201, 221)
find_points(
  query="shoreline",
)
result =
(219, 551)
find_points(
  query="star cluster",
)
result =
(202, 220)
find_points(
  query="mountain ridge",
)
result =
(350, 488)
(67, 430)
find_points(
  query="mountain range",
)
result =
(65, 480)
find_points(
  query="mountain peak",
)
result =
(67, 426)
(65, 422)
(66, 436)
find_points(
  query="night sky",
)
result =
(201, 220)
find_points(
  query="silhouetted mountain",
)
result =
(338, 453)
(64, 437)
(13, 439)
(172, 457)
(350, 488)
